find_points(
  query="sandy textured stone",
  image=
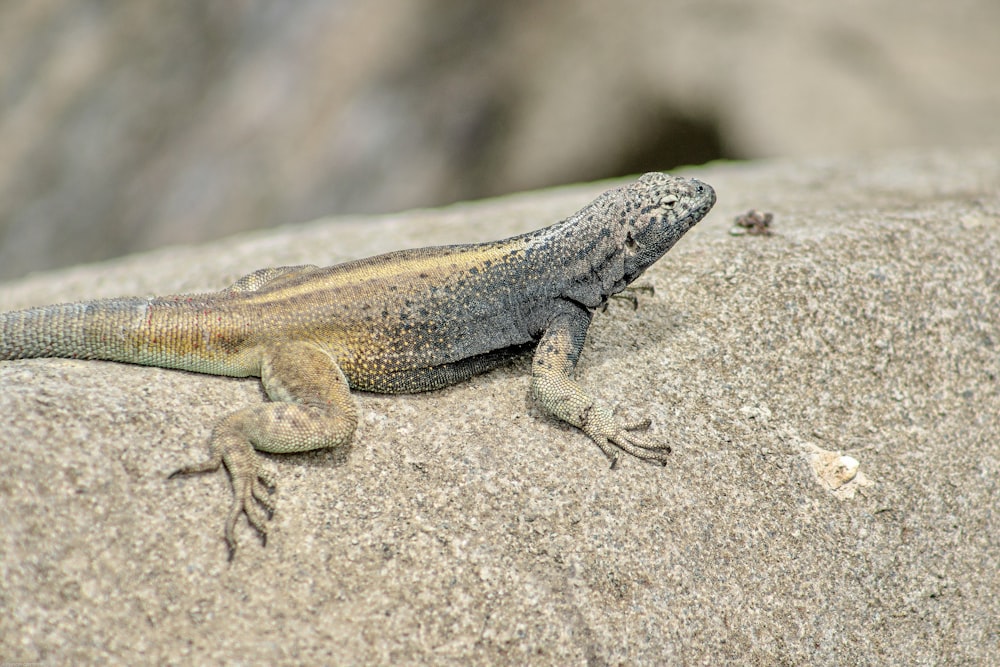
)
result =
(463, 527)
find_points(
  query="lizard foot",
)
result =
(615, 436)
(252, 484)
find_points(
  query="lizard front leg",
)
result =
(561, 396)
(313, 408)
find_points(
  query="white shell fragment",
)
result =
(837, 472)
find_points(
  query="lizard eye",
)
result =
(668, 202)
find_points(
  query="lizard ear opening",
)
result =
(630, 243)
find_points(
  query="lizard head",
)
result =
(609, 243)
(660, 209)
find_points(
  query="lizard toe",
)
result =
(211, 464)
(252, 486)
(615, 436)
(245, 502)
(640, 446)
(262, 494)
(263, 478)
(643, 441)
(257, 519)
(642, 424)
(610, 450)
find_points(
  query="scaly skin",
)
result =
(407, 321)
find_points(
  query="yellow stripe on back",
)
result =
(402, 268)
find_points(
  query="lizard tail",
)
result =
(103, 329)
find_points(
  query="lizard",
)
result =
(402, 322)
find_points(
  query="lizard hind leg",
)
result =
(312, 409)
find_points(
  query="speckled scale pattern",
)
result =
(406, 321)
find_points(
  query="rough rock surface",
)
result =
(463, 527)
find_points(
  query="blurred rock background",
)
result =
(129, 125)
